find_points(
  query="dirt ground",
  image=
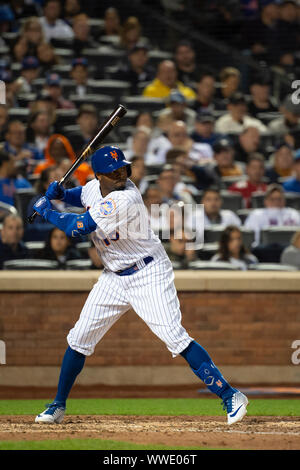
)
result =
(201, 431)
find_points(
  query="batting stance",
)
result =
(137, 273)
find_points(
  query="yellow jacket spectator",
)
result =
(166, 81)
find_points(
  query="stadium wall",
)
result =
(247, 321)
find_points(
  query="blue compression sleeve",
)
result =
(73, 196)
(73, 225)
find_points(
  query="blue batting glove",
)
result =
(42, 206)
(55, 191)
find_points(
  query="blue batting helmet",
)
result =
(109, 158)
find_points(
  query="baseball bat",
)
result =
(92, 146)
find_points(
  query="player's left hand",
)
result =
(42, 206)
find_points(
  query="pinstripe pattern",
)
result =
(150, 291)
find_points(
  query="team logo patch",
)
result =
(114, 155)
(107, 207)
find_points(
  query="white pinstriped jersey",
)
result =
(121, 217)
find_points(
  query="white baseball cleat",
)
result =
(236, 407)
(54, 414)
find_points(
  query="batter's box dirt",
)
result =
(267, 432)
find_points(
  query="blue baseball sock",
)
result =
(72, 365)
(202, 365)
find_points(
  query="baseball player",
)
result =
(137, 273)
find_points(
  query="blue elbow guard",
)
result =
(72, 224)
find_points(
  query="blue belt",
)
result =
(136, 267)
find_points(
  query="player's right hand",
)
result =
(55, 191)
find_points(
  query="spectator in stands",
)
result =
(82, 35)
(59, 149)
(224, 164)
(202, 175)
(291, 254)
(229, 84)
(213, 214)
(72, 9)
(10, 181)
(138, 173)
(171, 188)
(16, 145)
(112, 24)
(282, 163)
(59, 248)
(11, 245)
(204, 129)
(54, 88)
(261, 102)
(6, 21)
(31, 35)
(53, 26)
(255, 171)
(29, 72)
(232, 250)
(247, 142)
(177, 251)
(153, 201)
(47, 57)
(3, 120)
(136, 70)
(165, 81)
(80, 75)
(290, 119)
(236, 119)
(177, 136)
(10, 88)
(131, 33)
(288, 34)
(22, 9)
(88, 122)
(205, 92)
(177, 110)
(39, 130)
(45, 103)
(139, 145)
(261, 34)
(293, 184)
(274, 212)
(185, 60)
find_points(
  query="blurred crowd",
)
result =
(193, 133)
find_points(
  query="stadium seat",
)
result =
(257, 200)
(21, 114)
(277, 234)
(293, 200)
(212, 265)
(6, 209)
(66, 54)
(229, 180)
(35, 246)
(156, 56)
(272, 267)
(248, 237)
(22, 197)
(65, 117)
(79, 264)
(31, 264)
(103, 56)
(144, 104)
(114, 88)
(25, 99)
(231, 201)
(63, 70)
(127, 120)
(213, 234)
(243, 214)
(208, 251)
(59, 43)
(95, 99)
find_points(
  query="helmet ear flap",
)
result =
(128, 168)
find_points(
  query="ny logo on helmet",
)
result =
(114, 155)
